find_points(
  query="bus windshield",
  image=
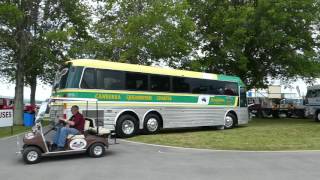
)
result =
(61, 78)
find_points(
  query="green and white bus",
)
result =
(135, 98)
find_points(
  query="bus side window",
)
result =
(180, 85)
(110, 80)
(89, 79)
(200, 86)
(136, 81)
(159, 83)
(231, 89)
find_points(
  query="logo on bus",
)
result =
(203, 99)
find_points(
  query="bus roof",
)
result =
(100, 64)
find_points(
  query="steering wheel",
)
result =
(59, 124)
(55, 126)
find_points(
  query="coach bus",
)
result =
(137, 98)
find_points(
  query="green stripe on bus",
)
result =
(120, 97)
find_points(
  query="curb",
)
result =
(219, 150)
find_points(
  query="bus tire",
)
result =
(317, 116)
(151, 124)
(230, 121)
(127, 126)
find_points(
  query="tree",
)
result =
(257, 40)
(141, 32)
(35, 36)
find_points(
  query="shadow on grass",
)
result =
(194, 129)
(254, 122)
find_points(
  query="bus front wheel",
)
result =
(127, 126)
(151, 124)
(229, 121)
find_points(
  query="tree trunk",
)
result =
(18, 97)
(20, 75)
(33, 86)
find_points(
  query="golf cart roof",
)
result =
(73, 99)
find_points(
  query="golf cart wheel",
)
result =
(31, 155)
(152, 124)
(229, 121)
(97, 150)
(127, 126)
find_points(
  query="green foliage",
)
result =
(252, 39)
(258, 39)
(50, 27)
(143, 31)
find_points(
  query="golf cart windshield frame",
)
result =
(87, 100)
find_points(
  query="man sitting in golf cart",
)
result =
(74, 126)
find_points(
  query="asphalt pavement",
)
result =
(131, 161)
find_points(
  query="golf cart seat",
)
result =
(102, 131)
(87, 127)
(90, 126)
(78, 136)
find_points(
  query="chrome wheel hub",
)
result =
(152, 124)
(228, 121)
(32, 156)
(127, 127)
(98, 150)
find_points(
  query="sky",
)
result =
(43, 91)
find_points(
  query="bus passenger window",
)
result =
(231, 89)
(180, 85)
(89, 79)
(110, 80)
(136, 81)
(159, 83)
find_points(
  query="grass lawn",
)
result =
(6, 131)
(259, 134)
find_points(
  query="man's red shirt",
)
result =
(78, 122)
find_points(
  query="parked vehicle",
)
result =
(138, 98)
(275, 107)
(292, 107)
(312, 102)
(93, 141)
(6, 103)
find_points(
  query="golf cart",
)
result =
(93, 141)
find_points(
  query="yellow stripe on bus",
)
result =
(140, 68)
(129, 92)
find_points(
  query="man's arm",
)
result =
(71, 123)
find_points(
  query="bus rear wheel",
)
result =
(152, 123)
(127, 126)
(230, 121)
(317, 116)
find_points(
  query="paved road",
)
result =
(138, 162)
